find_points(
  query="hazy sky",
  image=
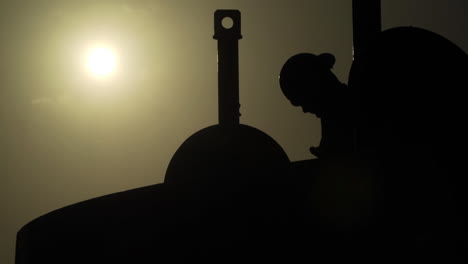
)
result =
(66, 136)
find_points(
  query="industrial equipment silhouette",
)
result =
(231, 193)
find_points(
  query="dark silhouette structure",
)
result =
(222, 199)
(409, 128)
(229, 151)
(366, 24)
(379, 192)
(400, 194)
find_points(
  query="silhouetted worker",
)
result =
(307, 81)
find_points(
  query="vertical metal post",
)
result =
(366, 23)
(227, 25)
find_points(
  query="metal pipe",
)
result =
(228, 32)
(366, 23)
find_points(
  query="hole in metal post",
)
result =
(227, 23)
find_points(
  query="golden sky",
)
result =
(66, 136)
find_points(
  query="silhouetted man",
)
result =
(307, 81)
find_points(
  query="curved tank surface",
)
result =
(218, 154)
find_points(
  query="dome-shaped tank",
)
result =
(229, 151)
(217, 154)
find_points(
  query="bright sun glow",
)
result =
(101, 61)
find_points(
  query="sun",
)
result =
(101, 61)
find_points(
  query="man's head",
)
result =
(306, 80)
